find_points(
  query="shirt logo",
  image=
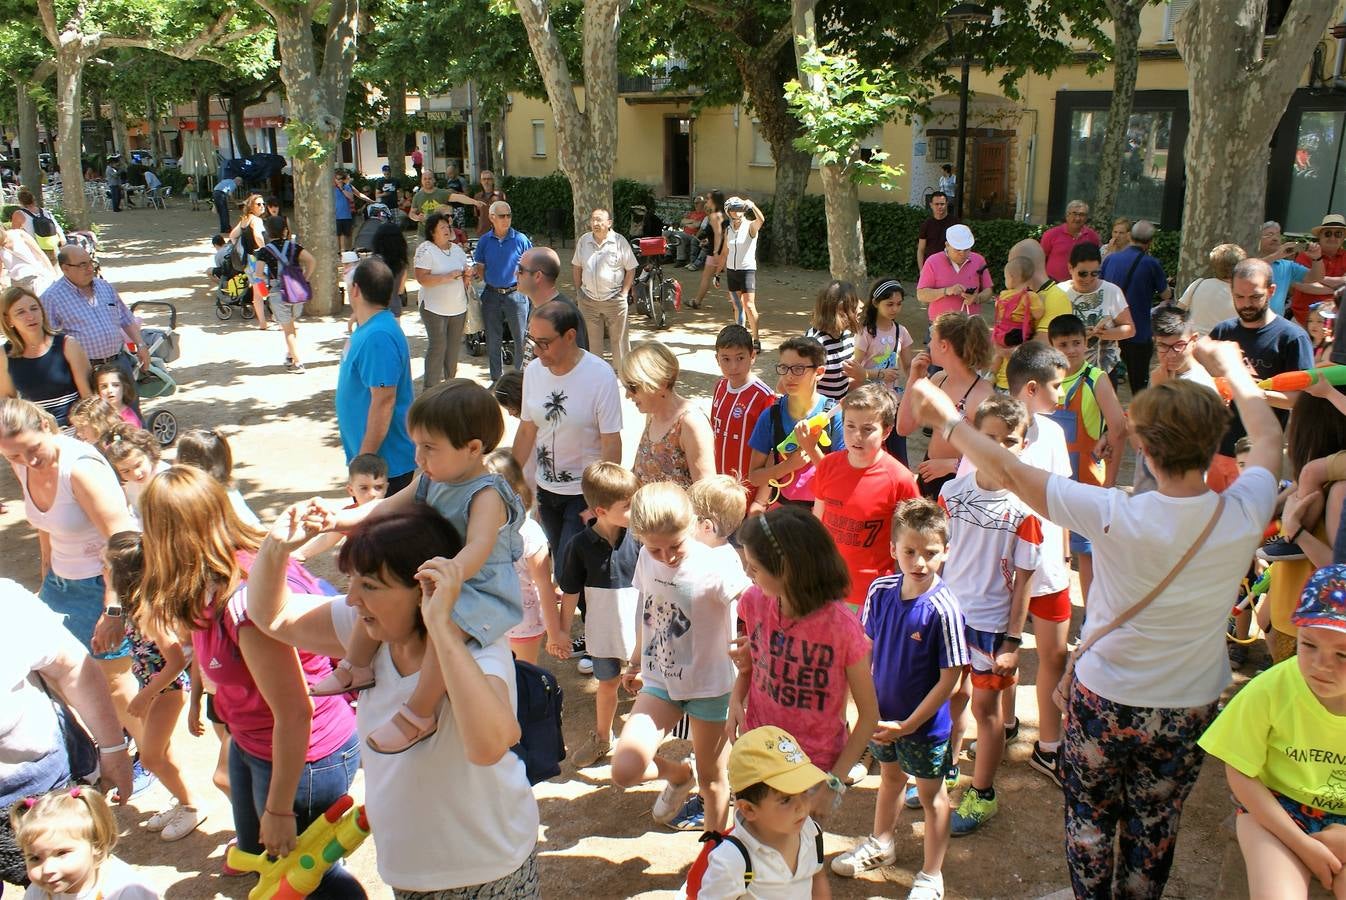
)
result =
(215, 664)
(736, 412)
(916, 636)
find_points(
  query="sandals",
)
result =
(402, 732)
(346, 677)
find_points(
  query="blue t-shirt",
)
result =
(1285, 273)
(1144, 283)
(912, 641)
(341, 202)
(501, 256)
(1279, 346)
(764, 438)
(378, 356)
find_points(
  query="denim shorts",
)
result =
(606, 668)
(707, 709)
(80, 601)
(919, 757)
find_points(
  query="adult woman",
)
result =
(25, 262)
(442, 273)
(291, 756)
(389, 245)
(1121, 237)
(250, 232)
(740, 261)
(1144, 693)
(715, 252)
(39, 223)
(1210, 300)
(38, 364)
(455, 816)
(676, 444)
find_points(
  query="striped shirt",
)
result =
(98, 322)
(733, 413)
(834, 382)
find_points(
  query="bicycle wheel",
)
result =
(659, 300)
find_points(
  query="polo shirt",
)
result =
(1145, 281)
(940, 272)
(500, 256)
(378, 356)
(1057, 244)
(99, 322)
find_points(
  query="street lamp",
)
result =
(964, 15)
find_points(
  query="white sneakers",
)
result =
(176, 822)
(671, 798)
(870, 854)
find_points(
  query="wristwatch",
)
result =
(113, 612)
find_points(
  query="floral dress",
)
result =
(663, 459)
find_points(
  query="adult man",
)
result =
(222, 194)
(604, 267)
(948, 182)
(538, 270)
(488, 194)
(1059, 241)
(1141, 278)
(430, 199)
(930, 239)
(955, 280)
(498, 253)
(113, 175)
(454, 182)
(1330, 234)
(571, 417)
(374, 388)
(343, 198)
(1285, 272)
(1270, 345)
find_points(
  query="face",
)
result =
(617, 515)
(956, 256)
(135, 469)
(109, 387)
(1251, 298)
(864, 432)
(668, 549)
(735, 362)
(34, 449)
(643, 398)
(1322, 661)
(600, 222)
(799, 375)
(941, 351)
(1270, 240)
(1173, 352)
(427, 181)
(919, 556)
(366, 488)
(258, 205)
(1317, 327)
(549, 346)
(771, 585)
(890, 307)
(1045, 396)
(777, 814)
(1073, 346)
(1084, 275)
(487, 182)
(78, 267)
(61, 863)
(387, 607)
(440, 460)
(502, 220)
(939, 206)
(25, 314)
(443, 235)
(997, 430)
(1121, 234)
(1331, 239)
(1076, 218)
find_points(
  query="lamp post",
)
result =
(964, 14)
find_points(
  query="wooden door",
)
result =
(990, 187)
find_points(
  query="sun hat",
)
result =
(771, 755)
(959, 237)
(1331, 220)
(1323, 603)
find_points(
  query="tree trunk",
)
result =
(764, 85)
(69, 80)
(1228, 143)
(121, 140)
(30, 169)
(203, 112)
(1125, 64)
(236, 108)
(395, 132)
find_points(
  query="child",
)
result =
(1281, 739)
(160, 668)
(541, 599)
(190, 191)
(1088, 407)
(111, 382)
(802, 364)
(366, 482)
(67, 838)
(718, 503)
(739, 400)
(279, 252)
(600, 562)
(681, 664)
(220, 261)
(961, 346)
(773, 849)
(1322, 317)
(915, 679)
(834, 326)
(92, 418)
(1018, 310)
(883, 350)
(1173, 343)
(454, 425)
(857, 491)
(208, 449)
(508, 390)
(134, 453)
(994, 548)
(806, 650)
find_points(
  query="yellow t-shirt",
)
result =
(1276, 731)
(1053, 302)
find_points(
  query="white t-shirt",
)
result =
(34, 640)
(1173, 654)
(440, 822)
(1107, 302)
(772, 878)
(687, 622)
(242, 509)
(116, 881)
(740, 246)
(571, 412)
(1045, 449)
(1209, 302)
(449, 298)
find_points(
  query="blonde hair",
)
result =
(97, 413)
(8, 299)
(1021, 268)
(661, 508)
(19, 416)
(1223, 258)
(968, 336)
(501, 461)
(77, 811)
(1180, 424)
(834, 312)
(192, 541)
(606, 483)
(650, 366)
(720, 500)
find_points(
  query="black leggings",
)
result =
(1137, 354)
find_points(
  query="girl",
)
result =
(681, 662)
(67, 838)
(92, 419)
(209, 450)
(884, 350)
(111, 382)
(806, 649)
(1322, 317)
(541, 598)
(715, 249)
(961, 346)
(134, 453)
(160, 667)
(834, 326)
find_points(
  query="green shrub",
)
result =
(530, 198)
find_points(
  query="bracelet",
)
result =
(950, 425)
(1011, 639)
(286, 815)
(116, 748)
(835, 784)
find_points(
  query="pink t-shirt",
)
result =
(237, 698)
(128, 415)
(939, 272)
(1057, 244)
(799, 671)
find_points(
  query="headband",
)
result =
(766, 529)
(884, 288)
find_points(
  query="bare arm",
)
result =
(861, 681)
(1225, 359)
(1261, 804)
(486, 516)
(1117, 428)
(380, 418)
(308, 264)
(276, 612)
(80, 370)
(76, 676)
(920, 253)
(525, 438)
(698, 444)
(610, 447)
(934, 699)
(577, 273)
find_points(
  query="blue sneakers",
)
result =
(141, 779)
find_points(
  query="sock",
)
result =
(1049, 746)
(988, 794)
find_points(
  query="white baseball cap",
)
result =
(959, 237)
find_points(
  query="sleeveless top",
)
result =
(740, 246)
(46, 380)
(76, 543)
(664, 459)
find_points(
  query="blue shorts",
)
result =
(983, 646)
(1080, 544)
(80, 602)
(1310, 819)
(919, 757)
(606, 668)
(707, 709)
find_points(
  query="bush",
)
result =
(530, 198)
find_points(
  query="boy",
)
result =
(720, 508)
(366, 481)
(856, 492)
(739, 400)
(1087, 408)
(601, 562)
(919, 652)
(994, 547)
(1173, 343)
(774, 848)
(800, 367)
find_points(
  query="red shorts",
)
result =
(1223, 472)
(1052, 607)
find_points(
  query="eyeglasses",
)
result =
(782, 369)
(1332, 232)
(79, 265)
(502, 215)
(524, 271)
(541, 343)
(1088, 273)
(1177, 347)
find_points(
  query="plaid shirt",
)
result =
(98, 324)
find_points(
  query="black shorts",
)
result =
(212, 715)
(744, 280)
(345, 227)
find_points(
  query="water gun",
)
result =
(1298, 381)
(817, 425)
(332, 836)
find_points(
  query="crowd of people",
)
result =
(772, 577)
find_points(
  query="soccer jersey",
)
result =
(733, 413)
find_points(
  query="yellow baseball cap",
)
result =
(772, 755)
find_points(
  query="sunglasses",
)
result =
(1088, 273)
(1333, 232)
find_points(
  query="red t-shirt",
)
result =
(733, 413)
(1300, 300)
(858, 507)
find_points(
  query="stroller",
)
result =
(232, 290)
(474, 329)
(155, 381)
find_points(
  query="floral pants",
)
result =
(1126, 771)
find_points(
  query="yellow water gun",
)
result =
(332, 836)
(816, 425)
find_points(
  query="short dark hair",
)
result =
(1013, 413)
(432, 222)
(1170, 321)
(1033, 361)
(459, 410)
(754, 793)
(396, 544)
(562, 316)
(733, 335)
(272, 201)
(938, 194)
(370, 464)
(1068, 325)
(1086, 252)
(375, 280)
(923, 517)
(808, 348)
(276, 226)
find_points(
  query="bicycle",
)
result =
(653, 293)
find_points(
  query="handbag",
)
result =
(1061, 695)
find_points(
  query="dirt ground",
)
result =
(595, 841)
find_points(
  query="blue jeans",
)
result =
(498, 309)
(222, 209)
(80, 601)
(321, 784)
(560, 516)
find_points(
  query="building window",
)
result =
(539, 138)
(939, 150)
(1145, 160)
(1318, 169)
(348, 152)
(761, 150)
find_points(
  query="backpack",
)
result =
(712, 839)
(43, 224)
(541, 745)
(1007, 332)
(289, 279)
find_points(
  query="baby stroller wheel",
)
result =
(223, 311)
(247, 310)
(475, 343)
(163, 425)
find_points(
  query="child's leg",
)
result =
(935, 803)
(424, 699)
(958, 704)
(888, 803)
(527, 649)
(990, 737)
(291, 340)
(155, 751)
(1009, 700)
(353, 672)
(711, 746)
(221, 777)
(605, 708)
(1051, 641)
(633, 759)
(1273, 868)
